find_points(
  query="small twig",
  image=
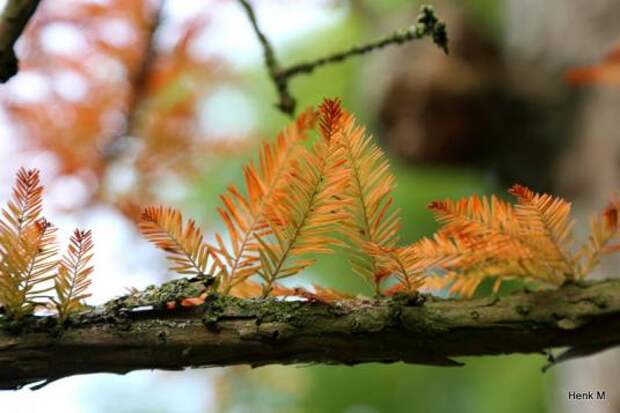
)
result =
(13, 21)
(578, 352)
(417, 31)
(427, 24)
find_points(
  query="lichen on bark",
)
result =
(138, 331)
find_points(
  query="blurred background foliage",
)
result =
(131, 103)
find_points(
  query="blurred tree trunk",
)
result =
(555, 35)
(474, 108)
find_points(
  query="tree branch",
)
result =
(137, 332)
(427, 24)
(13, 20)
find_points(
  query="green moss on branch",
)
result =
(138, 332)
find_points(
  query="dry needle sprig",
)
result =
(413, 264)
(488, 224)
(604, 229)
(26, 266)
(25, 205)
(531, 240)
(183, 243)
(427, 24)
(27, 245)
(490, 233)
(72, 281)
(370, 220)
(547, 227)
(245, 215)
(304, 214)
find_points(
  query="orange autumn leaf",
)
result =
(30, 269)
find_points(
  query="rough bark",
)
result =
(138, 332)
(13, 20)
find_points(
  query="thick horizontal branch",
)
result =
(13, 20)
(138, 332)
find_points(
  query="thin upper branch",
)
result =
(137, 332)
(427, 24)
(13, 21)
